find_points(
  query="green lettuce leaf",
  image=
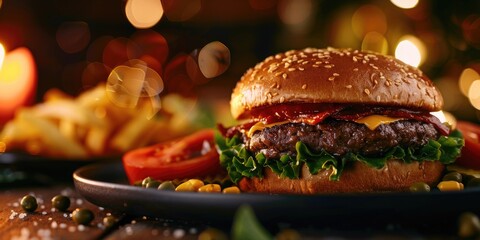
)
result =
(239, 162)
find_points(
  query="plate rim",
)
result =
(225, 205)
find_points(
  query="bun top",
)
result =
(334, 76)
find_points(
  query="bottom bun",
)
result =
(395, 176)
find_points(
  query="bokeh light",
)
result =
(144, 13)
(214, 59)
(467, 77)
(369, 18)
(128, 84)
(73, 37)
(471, 30)
(93, 74)
(176, 78)
(376, 42)
(474, 94)
(405, 4)
(118, 51)
(2, 55)
(193, 70)
(295, 12)
(411, 51)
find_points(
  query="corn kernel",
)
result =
(210, 188)
(233, 189)
(191, 185)
(450, 186)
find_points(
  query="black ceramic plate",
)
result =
(40, 168)
(106, 185)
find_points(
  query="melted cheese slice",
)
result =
(373, 121)
(259, 126)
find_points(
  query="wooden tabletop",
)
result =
(48, 223)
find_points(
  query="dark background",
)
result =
(251, 30)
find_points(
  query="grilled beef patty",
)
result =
(339, 137)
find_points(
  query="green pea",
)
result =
(212, 234)
(419, 187)
(109, 221)
(61, 202)
(474, 182)
(82, 216)
(152, 184)
(146, 181)
(453, 176)
(468, 225)
(29, 203)
(167, 186)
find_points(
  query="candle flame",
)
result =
(2, 55)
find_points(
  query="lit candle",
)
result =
(18, 81)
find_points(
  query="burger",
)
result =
(335, 121)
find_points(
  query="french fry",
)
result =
(92, 125)
(131, 135)
(54, 139)
(66, 109)
(96, 140)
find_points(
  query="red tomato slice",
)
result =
(470, 157)
(193, 156)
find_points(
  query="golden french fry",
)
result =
(96, 140)
(51, 135)
(55, 94)
(67, 128)
(66, 109)
(134, 134)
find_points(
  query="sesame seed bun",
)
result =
(334, 76)
(395, 176)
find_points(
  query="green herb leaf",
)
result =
(246, 226)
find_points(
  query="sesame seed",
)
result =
(328, 66)
(282, 99)
(284, 76)
(378, 98)
(336, 74)
(315, 66)
(301, 69)
(304, 86)
(355, 69)
(291, 69)
(367, 91)
(355, 59)
(331, 79)
(348, 86)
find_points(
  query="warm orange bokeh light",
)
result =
(144, 13)
(411, 51)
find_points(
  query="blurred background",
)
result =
(200, 48)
